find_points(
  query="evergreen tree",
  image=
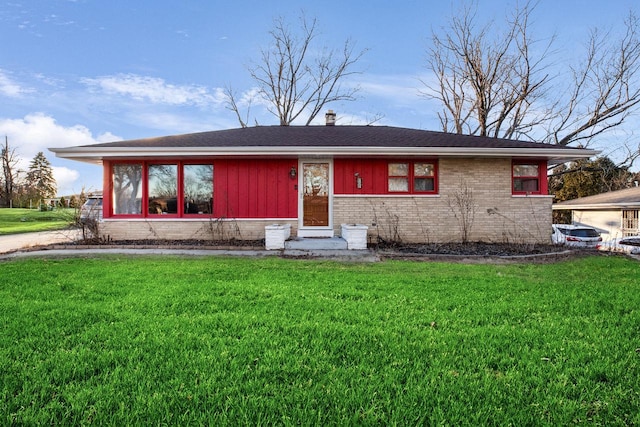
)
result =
(587, 177)
(40, 178)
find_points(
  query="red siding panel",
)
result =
(254, 189)
(372, 171)
(107, 189)
(374, 175)
(544, 179)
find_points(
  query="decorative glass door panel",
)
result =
(315, 187)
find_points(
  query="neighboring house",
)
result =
(404, 184)
(614, 214)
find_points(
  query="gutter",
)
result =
(597, 207)
(96, 154)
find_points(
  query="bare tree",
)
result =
(463, 206)
(9, 173)
(605, 89)
(295, 78)
(232, 104)
(487, 84)
(493, 84)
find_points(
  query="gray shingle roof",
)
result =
(321, 141)
(324, 136)
(626, 197)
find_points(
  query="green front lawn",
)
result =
(215, 341)
(13, 221)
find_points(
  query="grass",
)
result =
(214, 341)
(16, 220)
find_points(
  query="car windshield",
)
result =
(583, 232)
(93, 202)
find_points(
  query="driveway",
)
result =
(13, 242)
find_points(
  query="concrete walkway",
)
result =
(14, 242)
(337, 255)
(26, 245)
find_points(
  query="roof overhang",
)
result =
(596, 206)
(96, 155)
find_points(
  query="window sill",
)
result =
(541, 196)
(394, 195)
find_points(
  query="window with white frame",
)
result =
(630, 222)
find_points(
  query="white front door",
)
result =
(316, 204)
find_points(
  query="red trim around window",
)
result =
(182, 188)
(144, 203)
(179, 202)
(415, 175)
(373, 176)
(107, 205)
(523, 179)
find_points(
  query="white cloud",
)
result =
(65, 180)
(153, 89)
(9, 88)
(404, 90)
(49, 81)
(172, 123)
(108, 137)
(38, 132)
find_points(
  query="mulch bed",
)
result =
(472, 252)
(482, 253)
(473, 249)
(171, 244)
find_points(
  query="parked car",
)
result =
(628, 245)
(575, 235)
(91, 209)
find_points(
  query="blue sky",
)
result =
(75, 72)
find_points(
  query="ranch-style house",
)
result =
(403, 184)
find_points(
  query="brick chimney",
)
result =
(331, 118)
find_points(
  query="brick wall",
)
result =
(176, 229)
(497, 215)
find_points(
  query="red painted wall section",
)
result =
(241, 188)
(372, 171)
(544, 179)
(255, 189)
(106, 189)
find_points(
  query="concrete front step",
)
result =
(317, 243)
